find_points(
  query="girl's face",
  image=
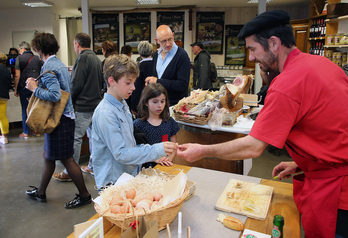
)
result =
(156, 105)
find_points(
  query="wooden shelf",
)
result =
(336, 46)
(317, 38)
(318, 16)
(342, 18)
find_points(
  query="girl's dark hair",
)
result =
(284, 33)
(46, 43)
(152, 91)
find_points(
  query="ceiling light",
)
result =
(148, 1)
(33, 3)
(257, 1)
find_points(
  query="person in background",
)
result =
(171, 66)
(27, 65)
(145, 69)
(154, 119)
(127, 50)
(59, 144)
(201, 67)
(5, 85)
(13, 51)
(114, 147)
(108, 48)
(86, 93)
(154, 48)
(303, 111)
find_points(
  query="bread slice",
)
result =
(232, 92)
(233, 223)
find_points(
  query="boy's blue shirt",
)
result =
(114, 150)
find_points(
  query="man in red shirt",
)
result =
(306, 111)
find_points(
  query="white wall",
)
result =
(14, 20)
(44, 19)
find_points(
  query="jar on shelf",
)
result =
(339, 55)
(339, 62)
(328, 53)
(344, 39)
(338, 37)
(344, 59)
(330, 39)
(334, 55)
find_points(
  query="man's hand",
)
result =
(149, 80)
(284, 170)
(190, 152)
(16, 93)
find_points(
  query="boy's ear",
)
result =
(111, 81)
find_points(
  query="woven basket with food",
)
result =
(141, 192)
(199, 107)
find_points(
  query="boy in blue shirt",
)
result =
(114, 148)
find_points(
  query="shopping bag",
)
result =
(141, 228)
(43, 115)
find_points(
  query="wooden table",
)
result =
(282, 203)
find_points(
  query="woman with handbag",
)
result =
(59, 144)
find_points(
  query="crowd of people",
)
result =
(299, 112)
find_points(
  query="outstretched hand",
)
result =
(284, 170)
(170, 147)
(164, 161)
(190, 152)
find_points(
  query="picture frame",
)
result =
(175, 20)
(105, 27)
(235, 51)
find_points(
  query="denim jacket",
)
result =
(49, 81)
(114, 149)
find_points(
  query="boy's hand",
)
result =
(170, 147)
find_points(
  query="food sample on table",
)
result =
(245, 198)
(230, 222)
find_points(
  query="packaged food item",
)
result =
(338, 38)
(339, 62)
(334, 55)
(344, 39)
(328, 53)
(330, 39)
(339, 55)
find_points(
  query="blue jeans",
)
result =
(83, 121)
(24, 96)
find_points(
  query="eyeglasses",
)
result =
(162, 42)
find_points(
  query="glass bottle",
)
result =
(278, 224)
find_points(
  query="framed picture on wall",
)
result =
(137, 27)
(235, 51)
(105, 27)
(210, 30)
(175, 20)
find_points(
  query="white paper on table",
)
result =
(121, 180)
(174, 188)
(251, 233)
(243, 122)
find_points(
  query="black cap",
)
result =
(264, 21)
(198, 44)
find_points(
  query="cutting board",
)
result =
(249, 199)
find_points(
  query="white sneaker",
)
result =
(3, 140)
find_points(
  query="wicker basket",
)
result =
(165, 214)
(194, 119)
(192, 188)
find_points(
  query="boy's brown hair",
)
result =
(153, 90)
(117, 66)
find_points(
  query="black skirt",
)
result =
(59, 144)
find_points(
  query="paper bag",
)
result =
(145, 229)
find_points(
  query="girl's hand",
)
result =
(169, 147)
(284, 170)
(31, 84)
(164, 161)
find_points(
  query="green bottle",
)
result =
(278, 223)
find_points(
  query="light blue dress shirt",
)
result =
(162, 64)
(114, 149)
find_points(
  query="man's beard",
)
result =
(270, 63)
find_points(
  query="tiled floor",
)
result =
(21, 165)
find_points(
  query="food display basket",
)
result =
(164, 214)
(189, 118)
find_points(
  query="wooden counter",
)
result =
(282, 203)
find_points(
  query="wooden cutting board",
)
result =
(249, 199)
